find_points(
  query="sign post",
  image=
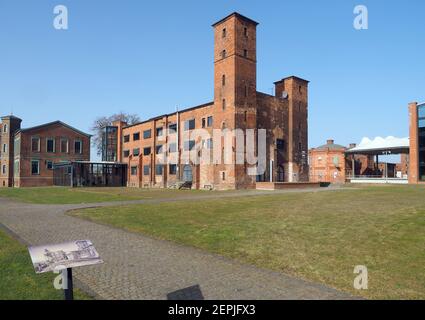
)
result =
(69, 289)
(62, 258)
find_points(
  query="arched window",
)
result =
(223, 80)
(224, 104)
(223, 54)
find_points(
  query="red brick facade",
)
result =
(31, 153)
(237, 105)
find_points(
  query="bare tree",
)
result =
(101, 122)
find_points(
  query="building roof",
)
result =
(237, 15)
(51, 124)
(11, 117)
(379, 145)
(330, 145)
(295, 77)
(170, 114)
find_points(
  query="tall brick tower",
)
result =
(10, 124)
(296, 91)
(235, 88)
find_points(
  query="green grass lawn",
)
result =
(18, 280)
(63, 195)
(319, 236)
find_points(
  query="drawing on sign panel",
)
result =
(56, 257)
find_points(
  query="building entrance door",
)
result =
(187, 173)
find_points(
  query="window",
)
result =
(134, 170)
(35, 144)
(189, 124)
(146, 170)
(3, 169)
(35, 167)
(299, 89)
(172, 147)
(127, 138)
(223, 34)
(147, 134)
(223, 54)
(280, 144)
(209, 143)
(209, 121)
(159, 132)
(78, 146)
(245, 53)
(147, 151)
(245, 115)
(50, 145)
(136, 152)
(223, 176)
(136, 136)
(4, 148)
(49, 165)
(126, 153)
(245, 32)
(5, 128)
(203, 122)
(189, 145)
(224, 104)
(158, 149)
(223, 80)
(172, 169)
(158, 169)
(64, 146)
(172, 128)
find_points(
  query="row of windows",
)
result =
(159, 169)
(224, 32)
(188, 125)
(51, 145)
(35, 167)
(172, 147)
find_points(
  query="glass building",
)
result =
(110, 144)
(421, 141)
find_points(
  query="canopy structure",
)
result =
(378, 147)
(381, 146)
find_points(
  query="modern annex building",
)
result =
(27, 156)
(237, 105)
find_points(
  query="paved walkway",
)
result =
(139, 267)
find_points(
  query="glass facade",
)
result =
(109, 144)
(421, 136)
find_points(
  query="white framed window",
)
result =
(3, 169)
(35, 167)
(4, 148)
(5, 128)
(49, 165)
(50, 145)
(78, 146)
(35, 144)
(64, 145)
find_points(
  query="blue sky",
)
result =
(147, 57)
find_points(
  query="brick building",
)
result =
(28, 155)
(417, 143)
(237, 105)
(328, 163)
